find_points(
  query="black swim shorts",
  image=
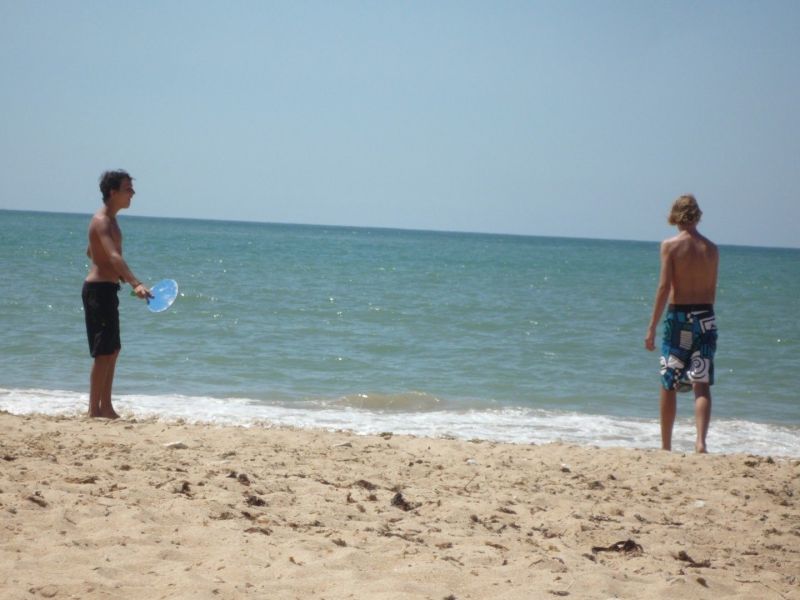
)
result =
(101, 310)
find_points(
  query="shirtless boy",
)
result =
(688, 279)
(100, 302)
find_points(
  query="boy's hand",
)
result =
(142, 291)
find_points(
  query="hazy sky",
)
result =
(581, 119)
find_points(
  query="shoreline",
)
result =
(515, 425)
(146, 509)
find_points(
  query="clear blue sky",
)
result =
(581, 119)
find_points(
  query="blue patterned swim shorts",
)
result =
(688, 347)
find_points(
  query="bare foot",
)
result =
(700, 449)
(103, 413)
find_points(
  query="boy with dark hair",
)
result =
(100, 302)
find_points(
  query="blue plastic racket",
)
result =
(164, 294)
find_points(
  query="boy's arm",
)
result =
(122, 269)
(662, 294)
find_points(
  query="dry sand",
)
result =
(143, 509)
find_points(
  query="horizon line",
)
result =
(389, 228)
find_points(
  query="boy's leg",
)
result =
(702, 414)
(668, 410)
(100, 383)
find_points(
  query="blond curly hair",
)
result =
(685, 211)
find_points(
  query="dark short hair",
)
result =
(112, 180)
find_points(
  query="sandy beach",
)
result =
(144, 509)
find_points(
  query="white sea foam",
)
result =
(515, 425)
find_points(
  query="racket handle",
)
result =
(134, 295)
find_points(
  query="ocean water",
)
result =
(509, 338)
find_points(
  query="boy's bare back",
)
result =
(692, 260)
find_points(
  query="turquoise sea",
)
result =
(509, 338)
